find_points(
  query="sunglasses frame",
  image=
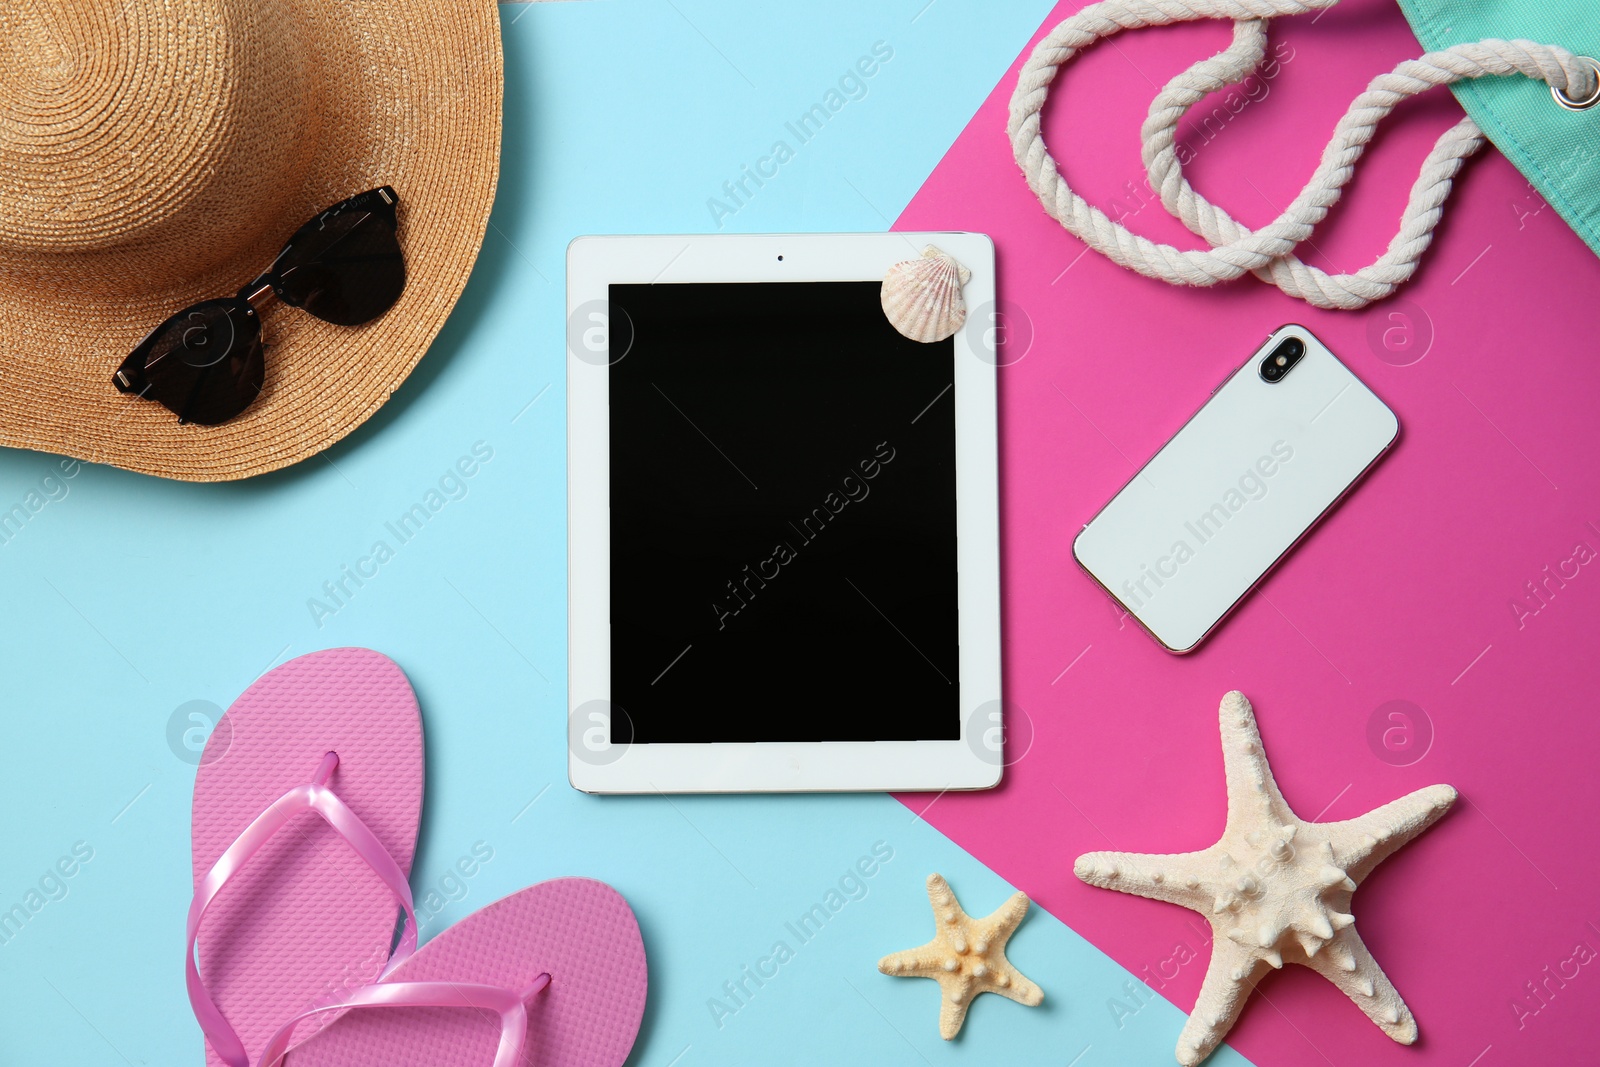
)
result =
(250, 301)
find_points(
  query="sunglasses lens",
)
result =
(345, 267)
(204, 364)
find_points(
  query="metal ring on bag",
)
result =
(1587, 102)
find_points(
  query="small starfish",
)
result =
(966, 957)
(1275, 888)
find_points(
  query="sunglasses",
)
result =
(205, 364)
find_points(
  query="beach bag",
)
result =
(1521, 68)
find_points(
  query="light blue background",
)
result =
(131, 596)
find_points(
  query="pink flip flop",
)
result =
(306, 808)
(561, 963)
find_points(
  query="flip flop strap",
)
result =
(315, 797)
(511, 1007)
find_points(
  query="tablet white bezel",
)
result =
(972, 762)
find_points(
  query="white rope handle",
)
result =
(1422, 212)
(1268, 251)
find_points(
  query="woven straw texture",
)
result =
(154, 153)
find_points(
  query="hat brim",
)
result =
(413, 97)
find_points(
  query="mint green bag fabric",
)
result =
(1558, 150)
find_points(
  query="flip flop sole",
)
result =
(305, 919)
(579, 931)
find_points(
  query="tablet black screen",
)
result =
(783, 517)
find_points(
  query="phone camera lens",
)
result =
(1282, 359)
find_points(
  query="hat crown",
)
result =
(151, 137)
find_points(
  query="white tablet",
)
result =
(783, 519)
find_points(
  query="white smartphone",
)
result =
(1278, 444)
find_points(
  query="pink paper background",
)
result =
(1403, 594)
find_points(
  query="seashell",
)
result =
(922, 297)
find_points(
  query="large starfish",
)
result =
(1275, 888)
(966, 957)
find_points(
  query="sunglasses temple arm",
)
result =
(260, 294)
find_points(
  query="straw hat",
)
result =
(155, 153)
